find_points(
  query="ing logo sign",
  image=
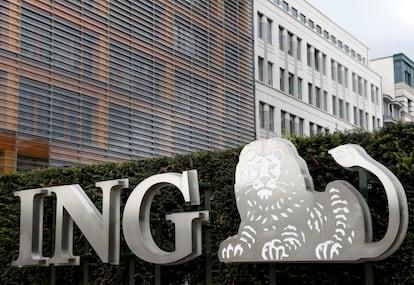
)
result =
(284, 219)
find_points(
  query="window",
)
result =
(27, 162)
(333, 39)
(266, 117)
(324, 64)
(365, 91)
(308, 54)
(325, 101)
(281, 41)
(318, 97)
(282, 79)
(68, 51)
(312, 129)
(259, 25)
(347, 111)
(333, 71)
(292, 126)
(54, 112)
(319, 29)
(36, 34)
(69, 47)
(294, 12)
(372, 93)
(310, 94)
(291, 80)
(334, 105)
(184, 38)
(271, 118)
(189, 40)
(283, 120)
(341, 108)
(359, 57)
(290, 43)
(326, 35)
(407, 78)
(340, 75)
(353, 53)
(65, 125)
(346, 48)
(319, 129)
(270, 73)
(261, 68)
(311, 24)
(301, 124)
(316, 58)
(361, 118)
(360, 89)
(262, 115)
(354, 83)
(269, 31)
(340, 44)
(299, 88)
(285, 6)
(34, 107)
(355, 116)
(346, 77)
(119, 127)
(303, 18)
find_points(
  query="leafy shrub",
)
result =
(392, 146)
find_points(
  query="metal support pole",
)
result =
(85, 264)
(85, 272)
(158, 236)
(272, 274)
(131, 271)
(52, 274)
(369, 273)
(52, 266)
(207, 202)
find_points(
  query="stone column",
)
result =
(314, 129)
(295, 57)
(295, 47)
(312, 57)
(287, 123)
(319, 59)
(285, 40)
(296, 123)
(342, 74)
(334, 71)
(354, 83)
(411, 107)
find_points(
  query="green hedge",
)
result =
(392, 146)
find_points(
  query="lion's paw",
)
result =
(327, 250)
(274, 250)
(231, 250)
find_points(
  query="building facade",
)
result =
(311, 75)
(86, 81)
(397, 73)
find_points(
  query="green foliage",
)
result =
(392, 146)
